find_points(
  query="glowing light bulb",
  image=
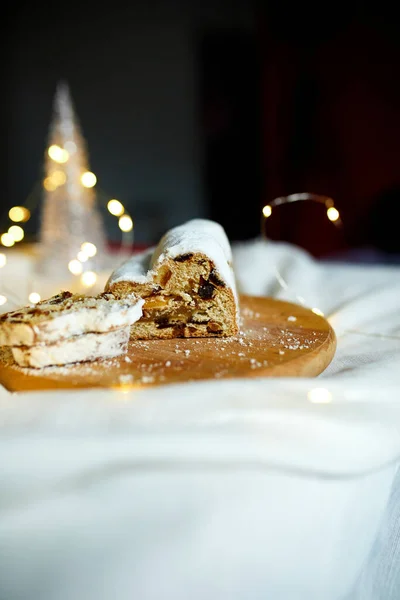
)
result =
(19, 214)
(34, 297)
(267, 211)
(49, 184)
(125, 223)
(124, 388)
(70, 147)
(75, 267)
(7, 240)
(89, 249)
(3, 299)
(3, 260)
(88, 179)
(332, 213)
(88, 278)
(115, 207)
(58, 154)
(319, 396)
(318, 312)
(16, 232)
(58, 178)
(82, 257)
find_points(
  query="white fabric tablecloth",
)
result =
(363, 305)
(52, 514)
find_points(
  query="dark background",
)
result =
(213, 109)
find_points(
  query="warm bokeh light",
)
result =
(82, 256)
(3, 260)
(49, 184)
(58, 154)
(89, 249)
(75, 267)
(7, 240)
(332, 213)
(58, 177)
(125, 223)
(124, 389)
(34, 297)
(88, 278)
(267, 211)
(115, 207)
(319, 396)
(88, 179)
(19, 214)
(3, 299)
(16, 232)
(318, 312)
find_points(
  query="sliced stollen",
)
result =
(80, 348)
(187, 283)
(66, 315)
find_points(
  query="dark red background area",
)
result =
(332, 119)
(329, 115)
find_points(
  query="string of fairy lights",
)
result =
(332, 214)
(331, 211)
(20, 215)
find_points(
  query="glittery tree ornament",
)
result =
(72, 238)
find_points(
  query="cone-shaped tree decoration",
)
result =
(71, 226)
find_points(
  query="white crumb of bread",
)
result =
(87, 347)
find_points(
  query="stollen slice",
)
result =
(67, 315)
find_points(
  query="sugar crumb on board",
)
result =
(250, 314)
(291, 341)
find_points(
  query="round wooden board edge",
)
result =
(303, 366)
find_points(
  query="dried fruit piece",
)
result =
(155, 302)
(184, 257)
(206, 289)
(162, 322)
(179, 329)
(166, 277)
(215, 279)
(213, 327)
(163, 276)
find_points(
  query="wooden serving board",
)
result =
(279, 339)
